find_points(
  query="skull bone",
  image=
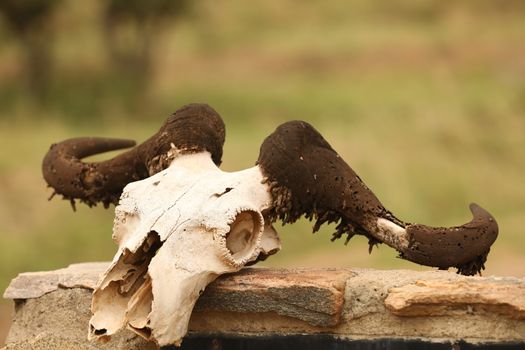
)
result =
(177, 231)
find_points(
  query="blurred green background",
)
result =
(425, 100)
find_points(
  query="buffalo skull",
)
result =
(181, 222)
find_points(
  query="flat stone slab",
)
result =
(30, 285)
(315, 296)
(354, 304)
(505, 297)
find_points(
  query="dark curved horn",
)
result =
(90, 182)
(465, 247)
(307, 177)
(192, 128)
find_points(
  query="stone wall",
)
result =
(52, 308)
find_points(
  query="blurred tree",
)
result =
(132, 27)
(29, 22)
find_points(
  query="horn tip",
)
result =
(482, 215)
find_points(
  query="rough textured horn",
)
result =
(307, 177)
(90, 182)
(192, 128)
(465, 247)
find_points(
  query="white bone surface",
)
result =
(392, 234)
(177, 231)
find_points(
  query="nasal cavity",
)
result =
(241, 241)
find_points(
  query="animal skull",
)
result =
(177, 231)
(186, 222)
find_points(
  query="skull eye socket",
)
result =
(242, 240)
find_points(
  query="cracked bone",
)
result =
(177, 231)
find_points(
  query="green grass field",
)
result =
(425, 100)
